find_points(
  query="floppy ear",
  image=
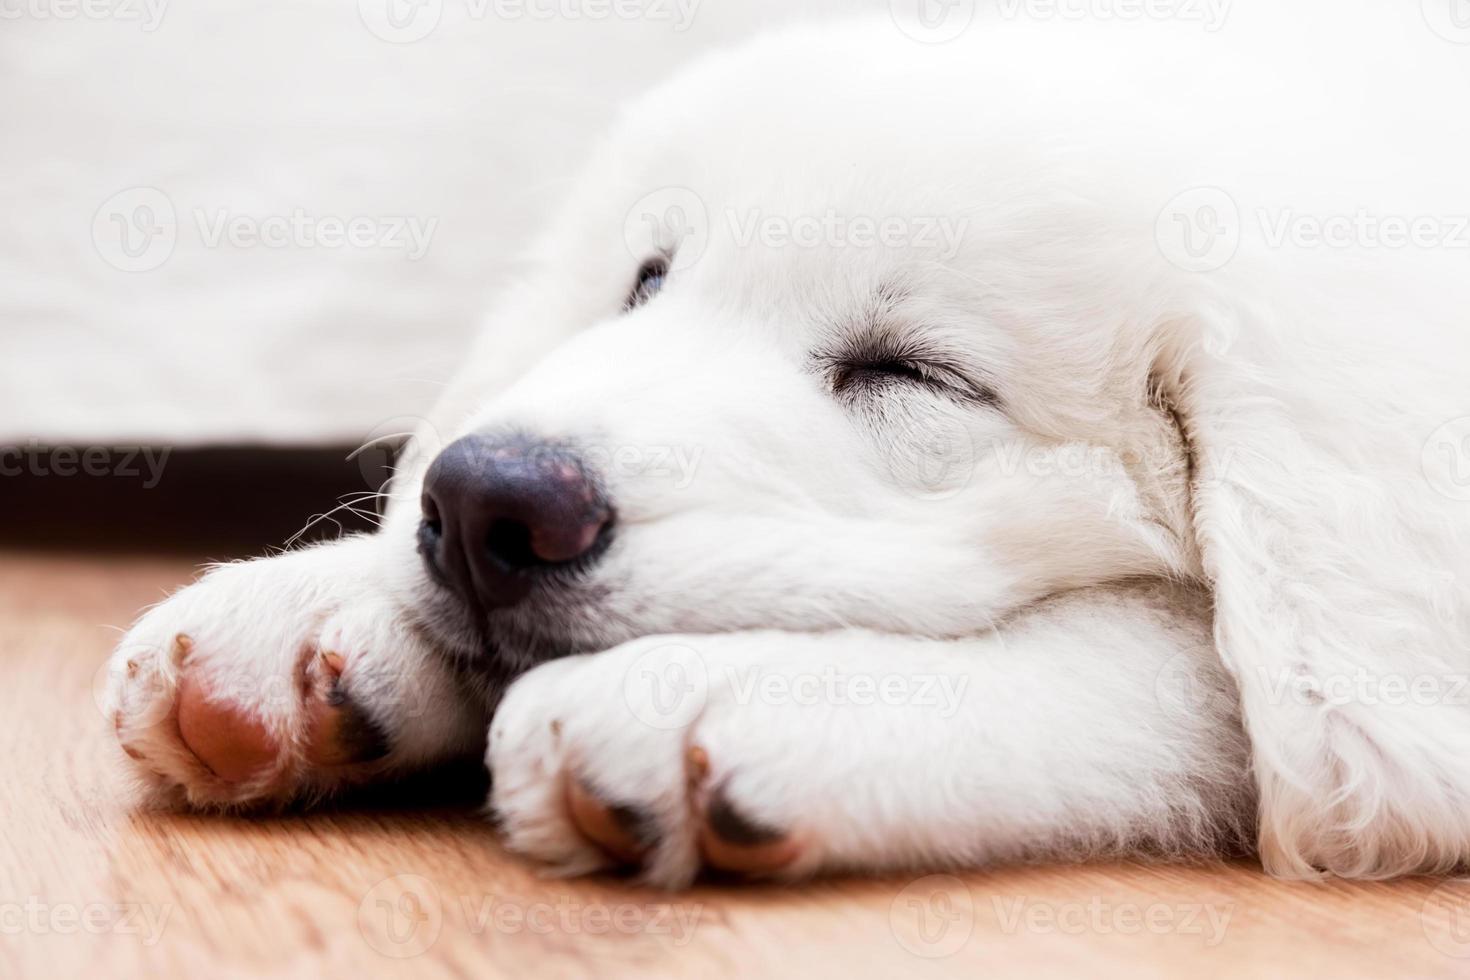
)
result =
(1339, 599)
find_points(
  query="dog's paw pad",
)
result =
(592, 791)
(730, 840)
(229, 739)
(213, 723)
(338, 731)
(625, 833)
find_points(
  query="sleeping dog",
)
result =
(908, 455)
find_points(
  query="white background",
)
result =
(258, 108)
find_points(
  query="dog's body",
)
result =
(971, 490)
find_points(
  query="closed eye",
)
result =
(651, 277)
(876, 350)
(859, 373)
(847, 377)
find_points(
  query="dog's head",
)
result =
(817, 357)
(843, 331)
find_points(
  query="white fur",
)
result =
(252, 629)
(880, 752)
(1256, 429)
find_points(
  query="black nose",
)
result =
(500, 513)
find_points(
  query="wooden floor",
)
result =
(90, 886)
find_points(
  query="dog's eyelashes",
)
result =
(853, 376)
(858, 377)
(651, 277)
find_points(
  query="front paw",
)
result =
(272, 680)
(653, 755)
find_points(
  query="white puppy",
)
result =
(924, 455)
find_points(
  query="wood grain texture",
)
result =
(91, 886)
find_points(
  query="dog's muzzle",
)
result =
(502, 515)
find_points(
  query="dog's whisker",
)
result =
(347, 505)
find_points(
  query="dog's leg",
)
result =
(285, 677)
(1097, 723)
(297, 675)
